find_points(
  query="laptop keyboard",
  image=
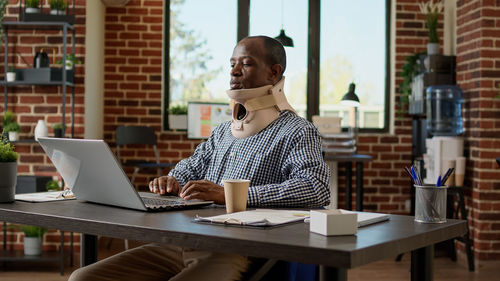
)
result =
(162, 202)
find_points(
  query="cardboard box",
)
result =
(333, 222)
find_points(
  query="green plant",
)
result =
(58, 126)
(8, 117)
(3, 4)
(32, 3)
(33, 231)
(178, 110)
(7, 153)
(12, 127)
(431, 11)
(11, 69)
(409, 70)
(52, 185)
(498, 86)
(70, 60)
(57, 5)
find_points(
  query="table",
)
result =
(332, 160)
(292, 242)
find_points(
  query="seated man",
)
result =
(266, 143)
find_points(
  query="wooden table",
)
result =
(359, 159)
(292, 242)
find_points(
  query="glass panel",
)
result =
(353, 45)
(266, 19)
(202, 38)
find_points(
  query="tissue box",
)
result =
(333, 222)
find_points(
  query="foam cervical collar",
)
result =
(254, 109)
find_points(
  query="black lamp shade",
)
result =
(284, 40)
(350, 99)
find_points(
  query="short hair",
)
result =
(275, 52)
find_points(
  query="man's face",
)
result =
(248, 66)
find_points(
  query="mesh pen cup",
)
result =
(430, 203)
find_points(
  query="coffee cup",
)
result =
(460, 171)
(236, 194)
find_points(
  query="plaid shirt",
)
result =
(283, 163)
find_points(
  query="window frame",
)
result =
(313, 61)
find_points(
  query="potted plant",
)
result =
(32, 6)
(8, 170)
(13, 130)
(58, 129)
(177, 117)
(52, 185)
(57, 7)
(409, 70)
(33, 239)
(11, 74)
(431, 11)
(70, 61)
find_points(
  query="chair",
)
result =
(139, 135)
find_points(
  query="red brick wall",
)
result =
(478, 74)
(32, 103)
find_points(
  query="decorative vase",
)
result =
(41, 129)
(432, 48)
(32, 246)
(178, 122)
(30, 10)
(57, 12)
(13, 136)
(11, 76)
(8, 174)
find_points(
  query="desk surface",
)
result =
(292, 242)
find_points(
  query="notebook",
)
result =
(93, 173)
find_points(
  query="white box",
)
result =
(333, 222)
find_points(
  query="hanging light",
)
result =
(282, 38)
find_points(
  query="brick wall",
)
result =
(478, 74)
(32, 103)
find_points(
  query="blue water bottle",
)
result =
(444, 110)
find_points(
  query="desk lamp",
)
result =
(351, 99)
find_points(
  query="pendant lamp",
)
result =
(282, 38)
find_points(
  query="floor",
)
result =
(385, 270)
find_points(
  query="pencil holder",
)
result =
(430, 203)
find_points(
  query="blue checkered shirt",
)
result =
(283, 163)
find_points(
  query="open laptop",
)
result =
(93, 173)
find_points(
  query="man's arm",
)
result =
(307, 177)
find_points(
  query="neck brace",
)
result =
(260, 107)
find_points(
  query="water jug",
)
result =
(444, 110)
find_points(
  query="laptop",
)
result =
(93, 173)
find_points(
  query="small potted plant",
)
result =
(8, 170)
(52, 185)
(58, 129)
(70, 61)
(177, 117)
(11, 74)
(57, 7)
(32, 6)
(33, 239)
(431, 10)
(13, 129)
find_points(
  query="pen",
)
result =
(438, 183)
(447, 175)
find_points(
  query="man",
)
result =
(266, 143)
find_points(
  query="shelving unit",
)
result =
(11, 255)
(18, 255)
(64, 83)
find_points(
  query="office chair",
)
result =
(139, 135)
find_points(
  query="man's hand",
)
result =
(204, 190)
(165, 184)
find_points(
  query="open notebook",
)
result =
(272, 217)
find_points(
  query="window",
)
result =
(267, 18)
(202, 37)
(353, 49)
(353, 43)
